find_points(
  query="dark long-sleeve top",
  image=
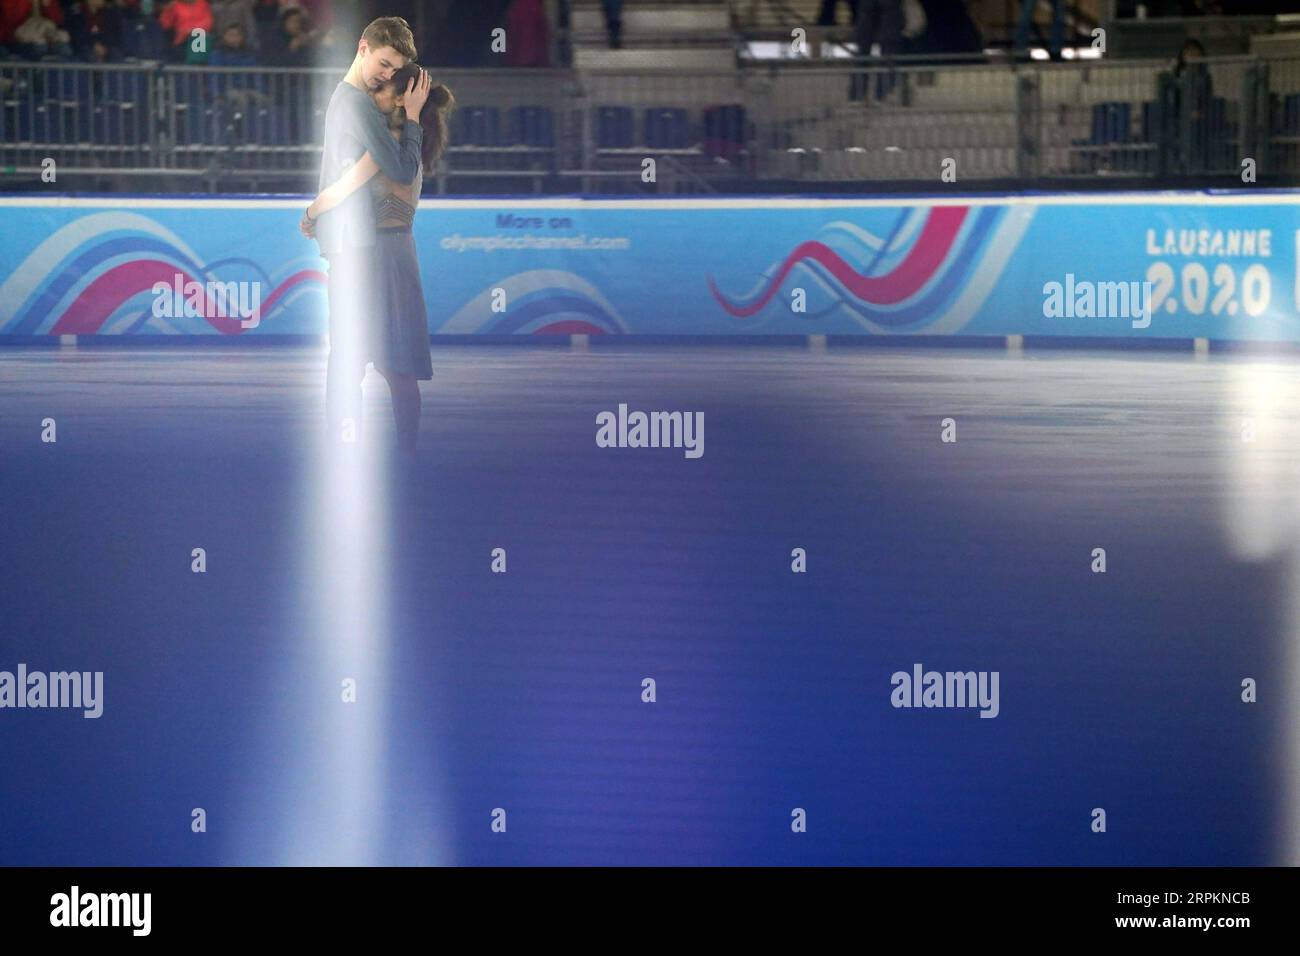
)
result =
(354, 127)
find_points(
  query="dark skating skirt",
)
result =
(400, 341)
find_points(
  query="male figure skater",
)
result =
(346, 234)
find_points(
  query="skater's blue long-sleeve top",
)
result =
(354, 127)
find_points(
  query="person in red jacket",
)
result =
(13, 13)
(528, 35)
(179, 19)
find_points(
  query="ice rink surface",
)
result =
(522, 692)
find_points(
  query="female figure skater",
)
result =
(399, 337)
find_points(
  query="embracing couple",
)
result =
(385, 128)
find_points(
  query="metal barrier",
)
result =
(788, 121)
(83, 115)
(876, 123)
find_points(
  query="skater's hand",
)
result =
(307, 226)
(417, 93)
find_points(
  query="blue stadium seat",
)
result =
(44, 119)
(1151, 119)
(211, 126)
(724, 130)
(20, 119)
(87, 118)
(21, 125)
(69, 85)
(185, 108)
(261, 124)
(667, 128)
(1287, 115)
(130, 91)
(303, 112)
(221, 83)
(1111, 123)
(276, 130)
(530, 126)
(235, 125)
(1218, 118)
(614, 127)
(478, 126)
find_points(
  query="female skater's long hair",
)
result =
(434, 119)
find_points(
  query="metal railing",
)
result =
(99, 116)
(862, 121)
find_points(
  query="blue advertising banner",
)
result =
(1146, 265)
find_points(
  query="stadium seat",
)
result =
(666, 128)
(1286, 114)
(1151, 120)
(1111, 123)
(219, 84)
(42, 120)
(530, 126)
(23, 123)
(724, 131)
(614, 129)
(278, 130)
(69, 85)
(18, 117)
(1218, 117)
(478, 126)
(247, 123)
(128, 93)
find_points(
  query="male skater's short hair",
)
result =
(390, 31)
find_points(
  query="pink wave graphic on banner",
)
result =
(106, 293)
(921, 263)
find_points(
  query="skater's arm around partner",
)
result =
(358, 174)
(399, 160)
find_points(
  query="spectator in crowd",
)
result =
(298, 39)
(879, 22)
(463, 37)
(39, 37)
(96, 24)
(613, 22)
(13, 13)
(237, 94)
(826, 17)
(436, 43)
(266, 25)
(1027, 8)
(528, 35)
(948, 29)
(320, 34)
(1192, 52)
(319, 12)
(914, 28)
(1193, 96)
(232, 49)
(226, 12)
(179, 19)
(142, 35)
